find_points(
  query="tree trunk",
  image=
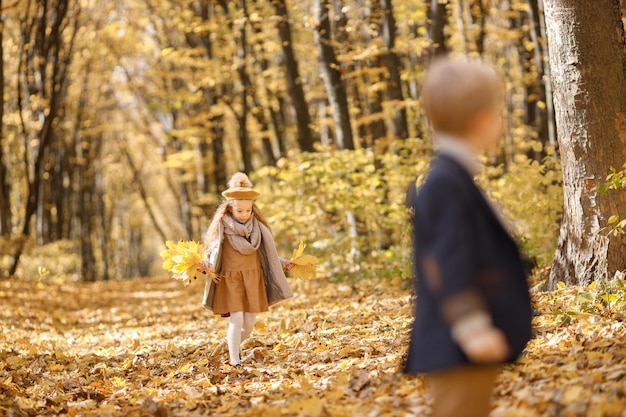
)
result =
(332, 77)
(47, 44)
(375, 127)
(398, 126)
(259, 110)
(244, 139)
(103, 224)
(437, 18)
(86, 196)
(5, 202)
(294, 83)
(586, 42)
(540, 109)
(479, 13)
(85, 154)
(214, 143)
(548, 78)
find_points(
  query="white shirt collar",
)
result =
(459, 150)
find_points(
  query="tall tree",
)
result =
(5, 202)
(437, 19)
(212, 145)
(292, 75)
(540, 112)
(242, 116)
(398, 125)
(588, 61)
(373, 98)
(332, 76)
(47, 41)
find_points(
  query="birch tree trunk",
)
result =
(586, 43)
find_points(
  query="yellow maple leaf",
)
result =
(298, 251)
(182, 259)
(304, 267)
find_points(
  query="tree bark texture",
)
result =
(332, 77)
(586, 43)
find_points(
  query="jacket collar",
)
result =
(457, 149)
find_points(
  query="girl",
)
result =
(247, 274)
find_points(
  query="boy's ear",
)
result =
(478, 122)
(480, 118)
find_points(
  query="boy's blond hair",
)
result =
(455, 91)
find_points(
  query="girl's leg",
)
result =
(248, 325)
(233, 336)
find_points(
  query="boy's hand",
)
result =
(288, 266)
(489, 345)
(479, 339)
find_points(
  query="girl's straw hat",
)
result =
(240, 188)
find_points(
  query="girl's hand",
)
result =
(212, 274)
(288, 266)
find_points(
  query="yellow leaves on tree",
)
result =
(304, 267)
(182, 259)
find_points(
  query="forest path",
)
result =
(147, 347)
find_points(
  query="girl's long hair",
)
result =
(212, 233)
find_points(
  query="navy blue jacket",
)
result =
(464, 260)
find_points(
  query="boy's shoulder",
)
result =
(446, 178)
(444, 167)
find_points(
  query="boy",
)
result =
(473, 308)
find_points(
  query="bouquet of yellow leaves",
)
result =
(183, 260)
(304, 267)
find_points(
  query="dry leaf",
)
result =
(310, 407)
(304, 267)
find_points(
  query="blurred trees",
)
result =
(123, 119)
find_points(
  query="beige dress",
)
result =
(242, 287)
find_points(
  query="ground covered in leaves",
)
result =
(146, 347)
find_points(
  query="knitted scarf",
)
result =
(245, 238)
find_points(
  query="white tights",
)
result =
(239, 328)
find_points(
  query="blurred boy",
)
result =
(473, 308)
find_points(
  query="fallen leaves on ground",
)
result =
(147, 348)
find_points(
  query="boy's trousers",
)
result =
(464, 391)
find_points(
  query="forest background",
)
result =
(122, 120)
